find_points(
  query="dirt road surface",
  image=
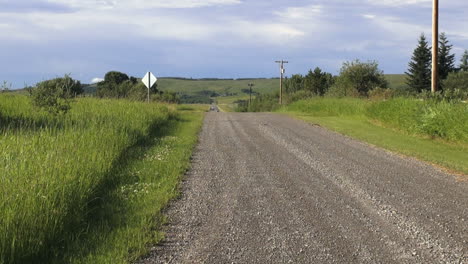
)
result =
(266, 188)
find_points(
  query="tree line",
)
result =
(55, 95)
(365, 79)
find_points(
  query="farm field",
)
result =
(235, 86)
(227, 103)
(88, 187)
(226, 91)
(396, 81)
(229, 91)
(221, 87)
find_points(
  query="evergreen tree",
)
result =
(294, 84)
(464, 62)
(419, 71)
(446, 60)
(318, 82)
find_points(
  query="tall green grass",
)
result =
(71, 184)
(445, 120)
(331, 106)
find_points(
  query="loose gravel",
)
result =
(266, 188)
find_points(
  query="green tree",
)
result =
(343, 87)
(294, 84)
(418, 76)
(318, 82)
(114, 85)
(464, 62)
(154, 89)
(138, 92)
(361, 77)
(446, 60)
(54, 95)
(116, 77)
(119, 85)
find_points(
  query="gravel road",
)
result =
(266, 188)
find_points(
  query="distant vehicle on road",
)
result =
(214, 108)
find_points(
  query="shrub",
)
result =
(380, 94)
(54, 95)
(343, 87)
(299, 95)
(167, 97)
(358, 76)
(319, 106)
(456, 81)
(264, 103)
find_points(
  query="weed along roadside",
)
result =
(88, 186)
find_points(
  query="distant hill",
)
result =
(396, 81)
(90, 88)
(220, 86)
(231, 87)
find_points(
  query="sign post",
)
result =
(149, 80)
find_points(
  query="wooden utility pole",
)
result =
(435, 46)
(250, 100)
(281, 62)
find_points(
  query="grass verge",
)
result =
(350, 117)
(88, 187)
(151, 181)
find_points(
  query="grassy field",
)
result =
(235, 86)
(396, 81)
(88, 187)
(222, 87)
(436, 133)
(227, 103)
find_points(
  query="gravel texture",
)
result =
(266, 188)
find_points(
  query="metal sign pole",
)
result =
(149, 81)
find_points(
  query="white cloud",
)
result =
(96, 80)
(266, 31)
(305, 12)
(398, 2)
(369, 16)
(103, 24)
(400, 29)
(140, 4)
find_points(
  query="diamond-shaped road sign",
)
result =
(149, 80)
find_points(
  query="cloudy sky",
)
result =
(42, 39)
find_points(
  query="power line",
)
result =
(281, 62)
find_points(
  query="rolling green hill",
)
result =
(232, 88)
(221, 87)
(396, 81)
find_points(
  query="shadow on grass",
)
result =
(105, 211)
(21, 123)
